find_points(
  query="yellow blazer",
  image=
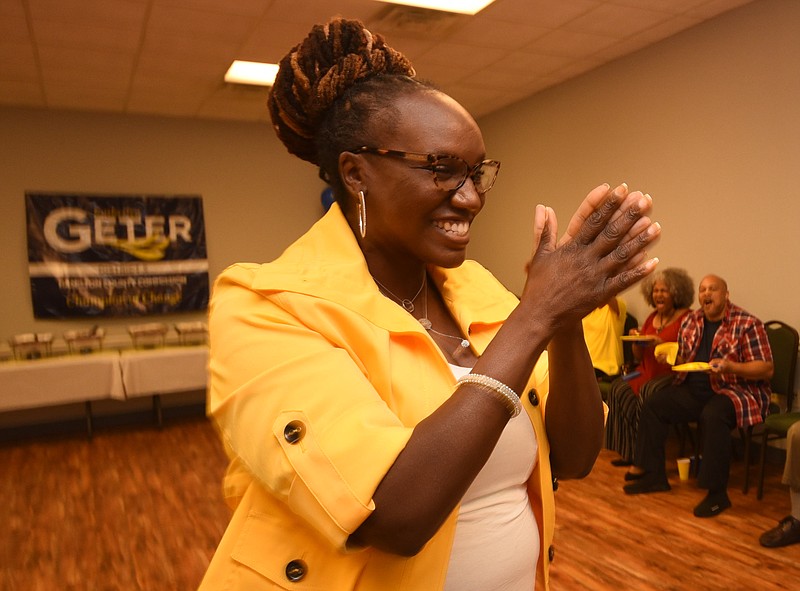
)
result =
(317, 382)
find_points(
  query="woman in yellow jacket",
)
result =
(368, 384)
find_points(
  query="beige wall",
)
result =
(256, 198)
(706, 121)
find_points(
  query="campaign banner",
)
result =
(95, 255)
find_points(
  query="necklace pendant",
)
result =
(408, 305)
(426, 324)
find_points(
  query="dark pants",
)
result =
(716, 417)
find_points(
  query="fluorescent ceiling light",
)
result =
(460, 6)
(256, 73)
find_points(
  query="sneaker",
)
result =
(714, 504)
(787, 532)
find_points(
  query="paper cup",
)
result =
(683, 468)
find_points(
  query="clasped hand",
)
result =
(602, 253)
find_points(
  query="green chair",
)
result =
(783, 340)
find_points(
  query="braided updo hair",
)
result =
(328, 89)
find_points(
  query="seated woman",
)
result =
(602, 329)
(670, 292)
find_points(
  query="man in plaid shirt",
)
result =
(732, 390)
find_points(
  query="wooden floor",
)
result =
(141, 509)
(607, 540)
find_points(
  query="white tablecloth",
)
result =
(164, 370)
(60, 380)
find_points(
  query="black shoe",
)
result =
(714, 504)
(647, 484)
(621, 462)
(787, 532)
(634, 475)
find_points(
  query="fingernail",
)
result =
(654, 229)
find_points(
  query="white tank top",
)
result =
(496, 544)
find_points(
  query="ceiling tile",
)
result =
(715, 7)
(320, 11)
(14, 29)
(76, 61)
(570, 43)
(616, 21)
(85, 97)
(119, 14)
(484, 32)
(251, 8)
(668, 6)
(199, 23)
(21, 93)
(11, 9)
(168, 56)
(541, 13)
(79, 35)
(647, 37)
(18, 62)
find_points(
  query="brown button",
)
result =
(296, 570)
(294, 432)
(533, 396)
(551, 553)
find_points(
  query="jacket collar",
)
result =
(326, 262)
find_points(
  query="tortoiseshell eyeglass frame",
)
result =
(483, 174)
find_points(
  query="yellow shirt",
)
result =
(317, 382)
(602, 329)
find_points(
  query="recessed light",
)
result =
(256, 73)
(460, 6)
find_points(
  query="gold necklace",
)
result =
(663, 321)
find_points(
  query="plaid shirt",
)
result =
(741, 337)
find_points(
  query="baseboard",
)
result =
(77, 426)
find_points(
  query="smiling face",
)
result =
(411, 221)
(662, 298)
(713, 297)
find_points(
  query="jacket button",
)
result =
(296, 570)
(555, 483)
(294, 431)
(533, 396)
(551, 553)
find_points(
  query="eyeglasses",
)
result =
(449, 172)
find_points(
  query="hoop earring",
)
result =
(362, 214)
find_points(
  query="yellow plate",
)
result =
(668, 349)
(693, 366)
(638, 338)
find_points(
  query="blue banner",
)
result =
(116, 255)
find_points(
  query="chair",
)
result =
(31, 345)
(784, 341)
(149, 335)
(192, 333)
(84, 341)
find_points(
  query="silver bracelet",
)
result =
(503, 393)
